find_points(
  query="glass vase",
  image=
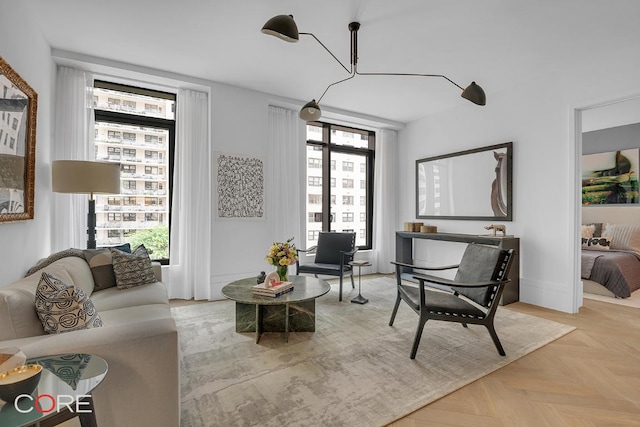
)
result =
(283, 272)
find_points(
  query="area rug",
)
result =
(354, 370)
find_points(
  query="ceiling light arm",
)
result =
(410, 74)
(335, 83)
(330, 53)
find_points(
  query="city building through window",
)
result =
(332, 187)
(136, 128)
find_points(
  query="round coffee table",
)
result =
(67, 381)
(294, 311)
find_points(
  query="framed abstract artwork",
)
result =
(239, 186)
(610, 178)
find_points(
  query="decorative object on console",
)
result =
(285, 28)
(497, 227)
(85, 177)
(18, 104)
(282, 255)
(610, 178)
(472, 184)
(428, 229)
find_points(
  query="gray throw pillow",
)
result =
(101, 265)
(133, 269)
(64, 308)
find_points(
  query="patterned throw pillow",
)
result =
(64, 308)
(597, 243)
(101, 265)
(132, 269)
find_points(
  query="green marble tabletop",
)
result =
(304, 289)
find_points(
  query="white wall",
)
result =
(22, 46)
(538, 117)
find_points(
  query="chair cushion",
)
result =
(330, 245)
(437, 302)
(329, 269)
(479, 263)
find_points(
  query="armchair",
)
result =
(333, 253)
(474, 292)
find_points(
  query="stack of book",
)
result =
(266, 290)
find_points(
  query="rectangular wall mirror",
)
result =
(472, 185)
(18, 107)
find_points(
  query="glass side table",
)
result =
(67, 381)
(360, 299)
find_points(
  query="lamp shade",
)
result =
(283, 27)
(310, 111)
(475, 94)
(79, 176)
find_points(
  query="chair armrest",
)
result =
(349, 253)
(418, 267)
(447, 282)
(310, 250)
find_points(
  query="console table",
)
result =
(404, 253)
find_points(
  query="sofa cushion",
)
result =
(132, 269)
(18, 315)
(135, 315)
(64, 308)
(114, 298)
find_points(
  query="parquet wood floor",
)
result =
(588, 378)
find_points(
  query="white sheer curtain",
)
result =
(189, 274)
(286, 148)
(73, 140)
(385, 196)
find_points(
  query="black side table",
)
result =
(362, 263)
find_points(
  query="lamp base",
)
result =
(91, 225)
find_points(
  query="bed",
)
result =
(611, 260)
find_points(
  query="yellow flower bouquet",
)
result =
(282, 255)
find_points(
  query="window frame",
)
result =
(329, 165)
(125, 117)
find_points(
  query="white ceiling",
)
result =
(500, 44)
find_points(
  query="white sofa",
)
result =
(138, 340)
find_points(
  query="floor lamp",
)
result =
(85, 177)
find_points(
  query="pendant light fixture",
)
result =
(285, 28)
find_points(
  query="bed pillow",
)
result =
(597, 231)
(132, 269)
(64, 308)
(625, 237)
(586, 231)
(596, 243)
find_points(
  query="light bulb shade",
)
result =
(311, 111)
(475, 94)
(282, 27)
(84, 177)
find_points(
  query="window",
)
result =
(314, 181)
(114, 217)
(313, 235)
(128, 168)
(315, 163)
(113, 201)
(128, 185)
(315, 199)
(129, 136)
(132, 115)
(347, 216)
(345, 177)
(129, 152)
